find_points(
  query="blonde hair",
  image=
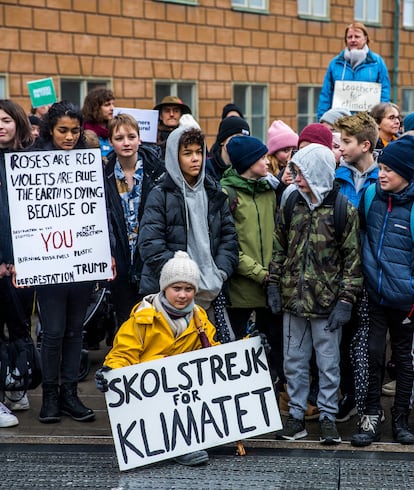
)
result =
(360, 26)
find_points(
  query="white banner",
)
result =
(356, 96)
(147, 120)
(173, 406)
(58, 216)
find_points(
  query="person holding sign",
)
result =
(356, 63)
(62, 306)
(15, 305)
(162, 325)
(132, 171)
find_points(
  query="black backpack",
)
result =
(340, 206)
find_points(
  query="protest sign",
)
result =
(356, 96)
(169, 407)
(147, 121)
(42, 92)
(58, 216)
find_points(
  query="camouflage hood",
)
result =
(317, 164)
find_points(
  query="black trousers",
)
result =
(382, 319)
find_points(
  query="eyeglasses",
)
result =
(295, 171)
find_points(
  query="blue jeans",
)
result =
(300, 335)
(62, 311)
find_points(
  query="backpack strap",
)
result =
(368, 198)
(233, 200)
(340, 212)
(340, 209)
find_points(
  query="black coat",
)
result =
(164, 230)
(153, 171)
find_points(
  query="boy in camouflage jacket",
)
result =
(315, 278)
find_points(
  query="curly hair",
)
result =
(192, 136)
(96, 97)
(23, 137)
(50, 120)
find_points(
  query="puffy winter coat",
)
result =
(373, 69)
(163, 230)
(346, 182)
(146, 336)
(387, 250)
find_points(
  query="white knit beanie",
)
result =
(180, 269)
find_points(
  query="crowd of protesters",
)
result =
(308, 237)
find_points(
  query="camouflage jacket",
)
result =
(311, 267)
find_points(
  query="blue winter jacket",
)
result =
(372, 70)
(387, 248)
(343, 176)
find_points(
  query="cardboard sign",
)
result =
(147, 122)
(356, 96)
(173, 406)
(42, 92)
(58, 216)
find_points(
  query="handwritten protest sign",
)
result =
(356, 96)
(58, 216)
(173, 406)
(147, 122)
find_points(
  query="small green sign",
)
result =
(42, 92)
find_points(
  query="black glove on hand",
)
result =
(263, 340)
(100, 380)
(339, 316)
(273, 298)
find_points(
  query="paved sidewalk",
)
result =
(30, 430)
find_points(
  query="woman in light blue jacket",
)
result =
(355, 63)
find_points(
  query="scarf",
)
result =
(356, 56)
(99, 130)
(178, 320)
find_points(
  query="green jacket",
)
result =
(313, 270)
(254, 217)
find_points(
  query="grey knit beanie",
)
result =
(180, 269)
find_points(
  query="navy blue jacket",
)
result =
(388, 249)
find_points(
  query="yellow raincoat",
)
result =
(146, 336)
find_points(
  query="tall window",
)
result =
(368, 11)
(186, 91)
(408, 13)
(407, 105)
(75, 90)
(313, 8)
(252, 100)
(3, 88)
(308, 98)
(257, 5)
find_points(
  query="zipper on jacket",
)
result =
(302, 274)
(380, 245)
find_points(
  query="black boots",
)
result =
(71, 405)
(50, 411)
(401, 431)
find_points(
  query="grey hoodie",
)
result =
(196, 207)
(317, 164)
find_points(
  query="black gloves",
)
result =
(339, 316)
(273, 298)
(100, 380)
(263, 339)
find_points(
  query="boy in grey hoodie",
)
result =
(188, 211)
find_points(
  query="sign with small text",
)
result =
(58, 216)
(356, 96)
(147, 120)
(173, 406)
(42, 92)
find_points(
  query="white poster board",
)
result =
(58, 216)
(147, 121)
(356, 96)
(173, 406)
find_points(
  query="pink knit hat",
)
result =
(279, 136)
(316, 133)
